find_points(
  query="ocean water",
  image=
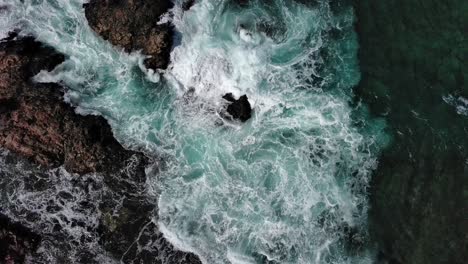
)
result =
(287, 186)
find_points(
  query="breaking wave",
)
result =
(287, 186)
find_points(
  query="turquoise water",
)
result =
(289, 185)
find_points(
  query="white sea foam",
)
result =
(460, 103)
(287, 194)
(287, 185)
(58, 206)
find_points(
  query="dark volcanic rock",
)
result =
(132, 25)
(36, 123)
(16, 241)
(187, 4)
(413, 54)
(240, 108)
(128, 230)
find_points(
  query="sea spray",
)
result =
(60, 206)
(289, 185)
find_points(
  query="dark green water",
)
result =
(290, 185)
(413, 58)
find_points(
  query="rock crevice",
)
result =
(133, 25)
(37, 124)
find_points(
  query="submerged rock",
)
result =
(238, 109)
(132, 25)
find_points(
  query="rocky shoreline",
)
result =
(38, 127)
(133, 25)
(407, 58)
(36, 122)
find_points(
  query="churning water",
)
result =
(287, 186)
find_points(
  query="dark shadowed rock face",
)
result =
(15, 241)
(132, 25)
(412, 56)
(36, 123)
(238, 109)
(187, 4)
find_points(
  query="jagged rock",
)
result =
(187, 4)
(16, 241)
(132, 25)
(238, 109)
(135, 238)
(36, 123)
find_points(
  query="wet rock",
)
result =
(132, 25)
(187, 4)
(16, 241)
(134, 236)
(275, 30)
(238, 109)
(36, 123)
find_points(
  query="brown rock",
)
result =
(132, 25)
(36, 123)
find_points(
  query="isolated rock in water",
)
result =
(16, 241)
(240, 108)
(132, 25)
(36, 123)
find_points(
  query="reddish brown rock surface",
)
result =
(36, 123)
(132, 25)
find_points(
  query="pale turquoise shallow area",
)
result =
(289, 185)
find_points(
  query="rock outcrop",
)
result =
(412, 55)
(132, 25)
(187, 4)
(36, 123)
(239, 109)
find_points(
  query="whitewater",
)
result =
(287, 186)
